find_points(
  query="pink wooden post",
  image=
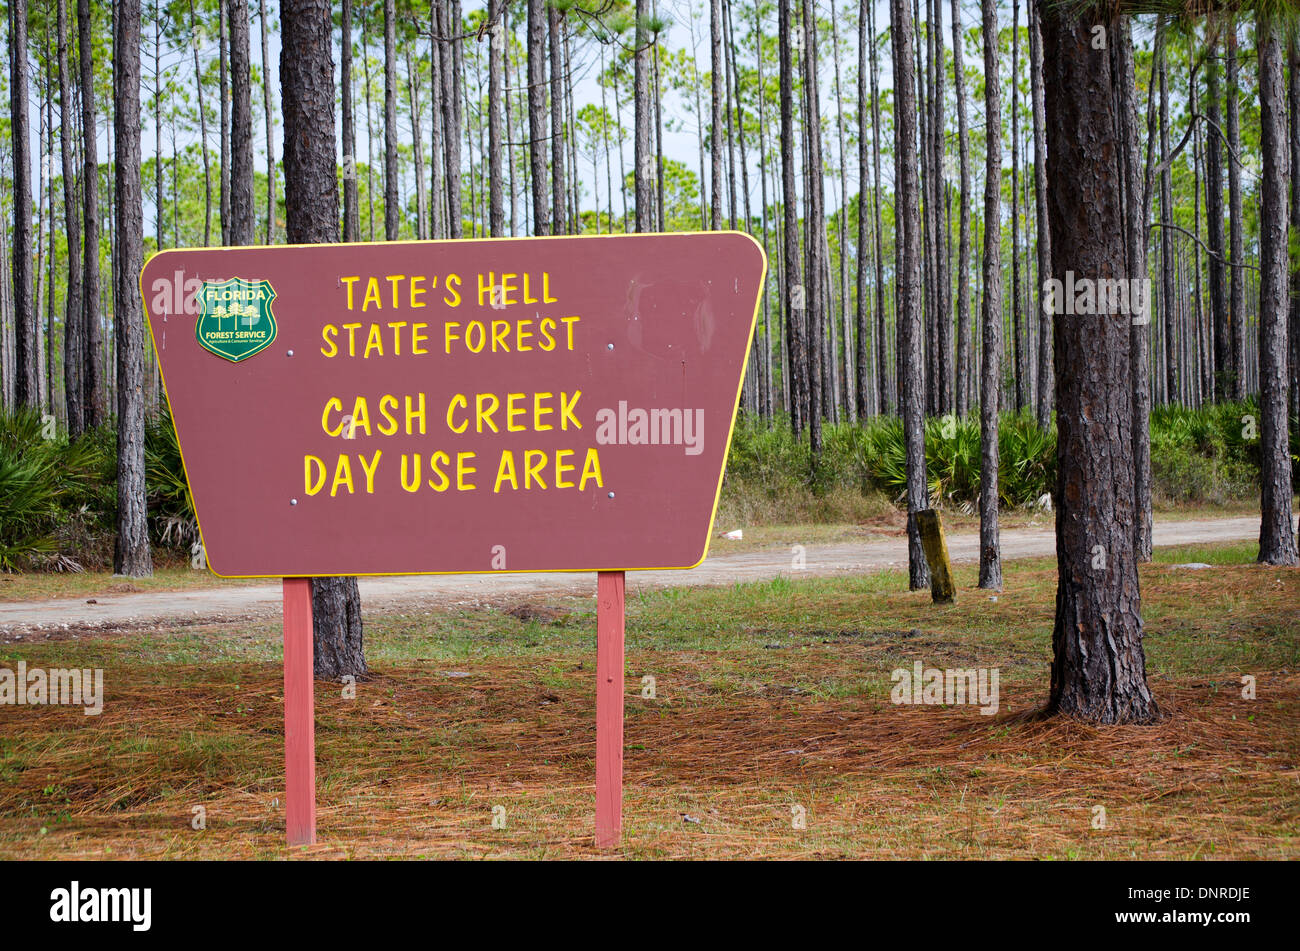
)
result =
(609, 708)
(299, 714)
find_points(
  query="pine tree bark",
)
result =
(886, 393)
(559, 200)
(942, 242)
(1277, 543)
(907, 212)
(392, 204)
(961, 382)
(1042, 231)
(223, 79)
(1098, 668)
(203, 132)
(414, 102)
(537, 115)
(1214, 237)
(793, 293)
(815, 242)
(74, 336)
(1016, 335)
(990, 574)
(863, 393)
(131, 555)
(26, 361)
(715, 115)
(351, 201)
(1293, 109)
(269, 103)
(242, 216)
(496, 68)
(437, 153)
(647, 217)
(452, 71)
(1136, 215)
(311, 217)
(1236, 289)
(93, 385)
(1167, 308)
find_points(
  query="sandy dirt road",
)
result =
(149, 609)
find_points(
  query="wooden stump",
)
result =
(942, 590)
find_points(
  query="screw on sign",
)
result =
(569, 400)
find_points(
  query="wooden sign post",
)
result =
(299, 714)
(536, 404)
(609, 707)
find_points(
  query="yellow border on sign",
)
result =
(735, 408)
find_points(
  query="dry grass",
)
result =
(769, 697)
(414, 765)
(43, 585)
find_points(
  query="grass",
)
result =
(768, 696)
(878, 522)
(47, 585)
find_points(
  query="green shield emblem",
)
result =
(235, 318)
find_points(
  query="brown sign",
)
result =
(425, 407)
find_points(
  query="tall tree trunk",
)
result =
(1204, 328)
(437, 152)
(1277, 544)
(1016, 336)
(269, 104)
(715, 114)
(351, 204)
(929, 256)
(415, 102)
(94, 366)
(961, 381)
(45, 229)
(452, 73)
(158, 210)
(392, 204)
(907, 215)
(311, 217)
(74, 330)
(814, 240)
(1236, 289)
(559, 200)
(203, 130)
(656, 86)
(1136, 215)
(507, 34)
(991, 314)
(1099, 669)
(864, 319)
(26, 364)
(1042, 230)
(766, 400)
(223, 78)
(1293, 108)
(942, 268)
(1214, 213)
(242, 216)
(647, 217)
(131, 555)
(794, 296)
(537, 115)
(1167, 308)
(496, 65)
(886, 394)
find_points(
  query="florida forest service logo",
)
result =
(235, 318)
